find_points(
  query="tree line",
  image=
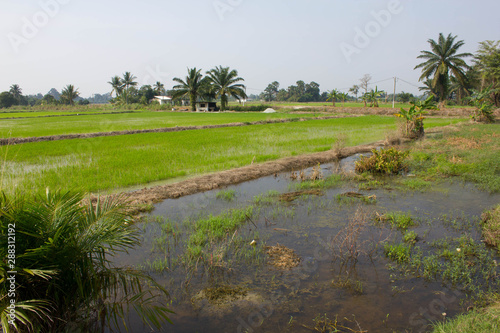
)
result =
(445, 75)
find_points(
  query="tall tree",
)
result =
(191, 87)
(271, 91)
(159, 88)
(355, 90)
(440, 61)
(117, 86)
(373, 96)
(16, 91)
(69, 93)
(225, 83)
(365, 80)
(128, 81)
(487, 63)
(333, 95)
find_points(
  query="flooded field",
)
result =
(356, 254)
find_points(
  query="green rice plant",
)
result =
(385, 161)
(226, 195)
(415, 184)
(62, 256)
(266, 198)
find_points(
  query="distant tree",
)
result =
(191, 87)
(333, 96)
(355, 90)
(69, 93)
(487, 64)
(365, 80)
(312, 92)
(271, 92)
(128, 81)
(343, 97)
(159, 88)
(146, 93)
(49, 99)
(117, 86)
(282, 95)
(225, 83)
(7, 99)
(440, 61)
(405, 97)
(55, 93)
(373, 96)
(16, 91)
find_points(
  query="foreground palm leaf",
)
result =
(63, 251)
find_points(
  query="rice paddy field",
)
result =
(91, 123)
(105, 164)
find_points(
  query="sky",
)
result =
(48, 44)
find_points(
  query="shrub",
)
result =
(249, 108)
(386, 161)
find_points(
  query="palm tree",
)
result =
(428, 89)
(373, 96)
(16, 91)
(128, 81)
(355, 90)
(442, 59)
(117, 85)
(192, 87)
(333, 95)
(159, 88)
(69, 93)
(64, 248)
(343, 97)
(224, 84)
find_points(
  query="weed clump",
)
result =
(384, 161)
(491, 227)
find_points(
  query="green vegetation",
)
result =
(491, 227)
(88, 123)
(62, 258)
(227, 195)
(385, 161)
(399, 253)
(113, 162)
(477, 321)
(465, 153)
(413, 126)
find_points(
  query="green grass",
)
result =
(471, 153)
(477, 321)
(227, 195)
(27, 114)
(337, 104)
(400, 220)
(107, 163)
(89, 123)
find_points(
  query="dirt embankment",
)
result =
(140, 198)
(15, 141)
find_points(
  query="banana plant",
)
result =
(414, 119)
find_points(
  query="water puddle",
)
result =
(341, 234)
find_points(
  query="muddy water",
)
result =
(361, 294)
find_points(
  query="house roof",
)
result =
(163, 98)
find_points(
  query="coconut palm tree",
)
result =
(343, 97)
(16, 91)
(69, 93)
(333, 95)
(159, 88)
(224, 84)
(63, 252)
(128, 81)
(117, 85)
(440, 61)
(191, 87)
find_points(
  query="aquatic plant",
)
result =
(385, 161)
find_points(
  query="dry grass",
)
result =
(491, 227)
(282, 257)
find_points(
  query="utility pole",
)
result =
(394, 94)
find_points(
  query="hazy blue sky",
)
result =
(52, 43)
